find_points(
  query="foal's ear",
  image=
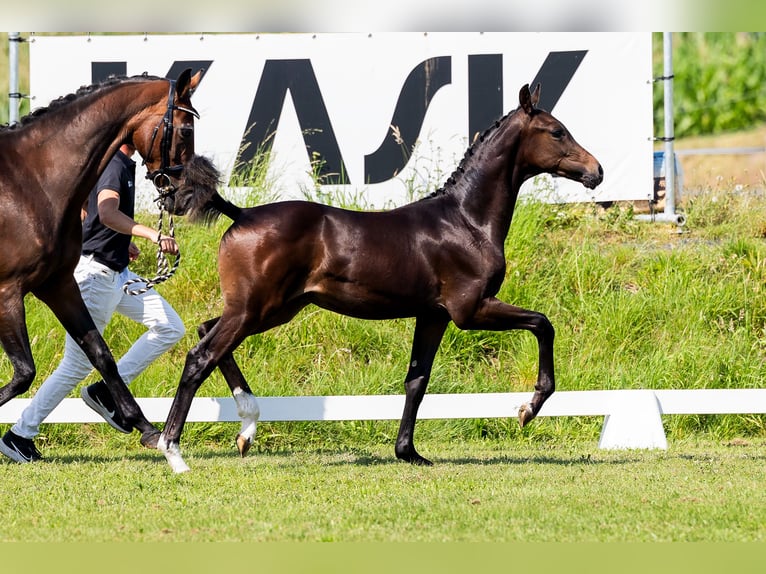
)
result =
(536, 95)
(528, 101)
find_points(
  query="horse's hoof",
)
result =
(413, 458)
(172, 454)
(525, 415)
(243, 444)
(149, 438)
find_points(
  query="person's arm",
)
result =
(111, 216)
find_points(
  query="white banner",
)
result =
(379, 119)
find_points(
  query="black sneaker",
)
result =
(19, 448)
(98, 397)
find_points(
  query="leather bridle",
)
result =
(162, 177)
(165, 188)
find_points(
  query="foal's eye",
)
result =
(557, 133)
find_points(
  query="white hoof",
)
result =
(172, 454)
(525, 414)
(249, 411)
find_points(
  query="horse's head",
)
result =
(166, 139)
(195, 195)
(546, 146)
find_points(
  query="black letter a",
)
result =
(298, 77)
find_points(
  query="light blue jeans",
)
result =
(102, 292)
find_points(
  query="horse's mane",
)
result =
(198, 193)
(81, 92)
(478, 141)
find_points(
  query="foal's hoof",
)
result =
(420, 461)
(413, 458)
(243, 444)
(149, 438)
(525, 415)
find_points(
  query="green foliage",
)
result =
(719, 85)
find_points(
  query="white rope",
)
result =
(164, 271)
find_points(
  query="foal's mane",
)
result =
(478, 141)
(82, 92)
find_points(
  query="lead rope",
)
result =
(164, 272)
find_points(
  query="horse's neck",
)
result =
(489, 186)
(82, 148)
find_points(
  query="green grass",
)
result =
(478, 491)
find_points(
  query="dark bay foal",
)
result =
(439, 259)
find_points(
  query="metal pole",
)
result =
(670, 158)
(669, 215)
(14, 97)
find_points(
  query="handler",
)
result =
(108, 227)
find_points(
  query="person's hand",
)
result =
(168, 244)
(133, 252)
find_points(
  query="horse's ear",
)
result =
(186, 83)
(536, 95)
(195, 80)
(528, 101)
(525, 99)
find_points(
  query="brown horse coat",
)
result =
(48, 165)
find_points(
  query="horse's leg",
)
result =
(495, 315)
(429, 331)
(247, 404)
(64, 299)
(223, 337)
(15, 341)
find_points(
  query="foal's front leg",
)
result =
(428, 335)
(495, 315)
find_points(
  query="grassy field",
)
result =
(478, 491)
(635, 305)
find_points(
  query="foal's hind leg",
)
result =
(495, 315)
(15, 341)
(428, 335)
(247, 405)
(223, 336)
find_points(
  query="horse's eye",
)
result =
(558, 133)
(187, 132)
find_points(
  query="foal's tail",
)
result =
(225, 207)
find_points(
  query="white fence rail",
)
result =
(632, 418)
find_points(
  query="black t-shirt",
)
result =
(107, 246)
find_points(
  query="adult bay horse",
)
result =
(49, 162)
(439, 259)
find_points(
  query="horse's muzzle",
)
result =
(592, 179)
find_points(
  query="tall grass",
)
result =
(634, 304)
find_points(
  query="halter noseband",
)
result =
(162, 176)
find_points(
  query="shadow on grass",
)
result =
(364, 457)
